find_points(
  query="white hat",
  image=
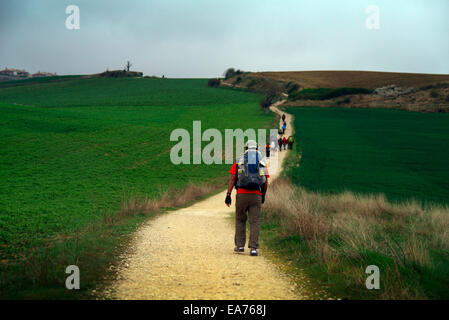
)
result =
(251, 144)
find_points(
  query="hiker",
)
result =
(280, 131)
(283, 127)
(267, 150)
(283, 117)
(290, 142)
(249, 176)
(280, 142)
(284, 142)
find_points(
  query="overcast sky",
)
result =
(201, 38)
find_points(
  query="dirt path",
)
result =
(188, 254)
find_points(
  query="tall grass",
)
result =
(336, 237)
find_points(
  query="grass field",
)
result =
(88, 92)
(74, 151)
(348, 202)
(401, 154)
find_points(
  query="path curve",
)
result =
(188, 254)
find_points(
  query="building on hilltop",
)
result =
(43, 74)
(14, 73)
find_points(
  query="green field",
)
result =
(75, 150)
(401, 154)
(88, 92)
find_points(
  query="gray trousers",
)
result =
(251, 203)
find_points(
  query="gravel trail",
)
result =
(188, 254)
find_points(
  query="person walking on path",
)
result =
(284, 126)
(249, 176)
(283, 117)
(284, 142)
(290, 142)
(267, 150)
(280, 142)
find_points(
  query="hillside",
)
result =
(350, 89)
(354, 79)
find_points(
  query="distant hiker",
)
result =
(290, 142)
(283, 127)
(267, 150)
(284, 142)
(280, 142)
(283, 118)
(249, 176)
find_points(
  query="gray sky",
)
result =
(201, 38)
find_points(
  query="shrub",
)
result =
(291, 87)
(343, 101)
(229, 73)
(327, 93)
(214, 82)
(266, 102)
(433, 94)
(252, 83)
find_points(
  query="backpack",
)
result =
(290, 139)
(250, 171)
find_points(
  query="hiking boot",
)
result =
(253, 252)
(239, 249)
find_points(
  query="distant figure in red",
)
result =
(284, 142)
(283, 118)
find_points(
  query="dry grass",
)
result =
(354, 231)
(169, 199)
(354, 79)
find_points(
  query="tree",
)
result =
(128, 65)
(229, 73)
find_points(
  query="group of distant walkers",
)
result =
(281, 142)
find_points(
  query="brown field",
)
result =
(354, 79)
